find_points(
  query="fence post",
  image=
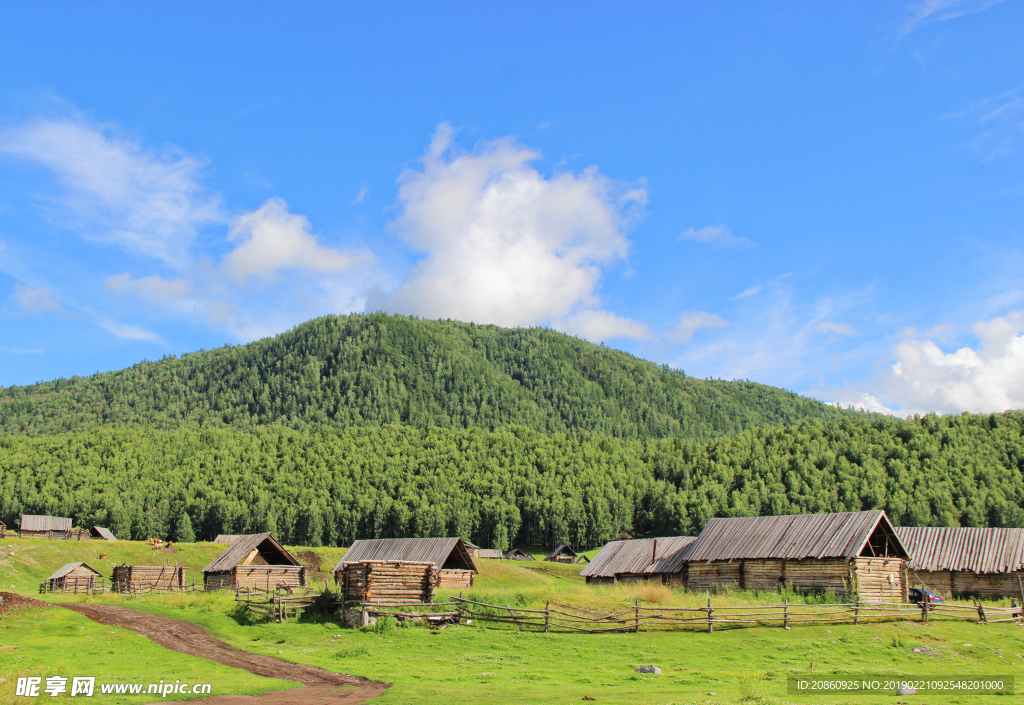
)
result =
(856, 611)
(711, 628)
(924, 610)
(547, 615)
(636, 608)
(785, 614)
(365, 617)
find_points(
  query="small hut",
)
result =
(517, 554)
(45, 527)
(73, 577)
(662, 559)
(98, 532)
(131, 578)
(850, 553)
(391, 582)
(254, 561)
(492, 553)
(226, 538)
(471, 548)
(455, 567)
(564, 554)
(966, 561)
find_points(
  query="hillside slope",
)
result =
(371, 370)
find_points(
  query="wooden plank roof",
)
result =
(103, 533)
(38, 522)
(518, 552)
(962, 548)
(425, 550)
(666, 554)
(226, 538)
(490, 553)
(792, 537)
(239, 549)
(68, 567)
(559, 551)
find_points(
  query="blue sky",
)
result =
(827, 197)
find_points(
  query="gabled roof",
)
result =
(241, 547)
(103, 533)
(962, 548)
(490, 553)
(793, 537)
(666, 554)
(38, 522)
(518, 552)
(434, 551)
(559, 551)
(68, 567)
(226, 538)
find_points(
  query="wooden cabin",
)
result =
(391, 582)
(73, 577)
(98, 532)
(517, 554)
(662, 560)
(961, 561)
(254, 561)
(492, 553)
(854, 554)
(129, 578)
(45, 527)
(455, 567)
(563, 554)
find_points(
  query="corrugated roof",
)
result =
(241, 547)
(104, 533)
(793, 537)
(666, 554)
(226, 538)
(68, 567)
(963, 548)
(434, 551)
(37, 522)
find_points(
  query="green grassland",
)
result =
(478, 664)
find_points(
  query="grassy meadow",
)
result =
(478, 664)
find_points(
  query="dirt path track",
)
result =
(322, 687)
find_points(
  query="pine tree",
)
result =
(185, 534)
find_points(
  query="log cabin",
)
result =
(455, 566)
(853, 554)
(254, 561)
(966, 562)
(518, 554)
(564, 554)
(391, 582)
(660, 559)
(98, 532)
(45, 527)
(129, 578)
(73, 577)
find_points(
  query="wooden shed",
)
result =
(131, 578)
(492, 553)
(517, 554)
(564, 554)
(45, 527)
(73, 577)
(254, 561)
(965, 561)
(455, 566)
(98, 532)
(851, 553)
(660, 559)
(392, 582)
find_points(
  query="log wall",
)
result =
(139, 577)
(269, 577)
(389, 581)
(960, 583)
(53, 535)
(880, 579)
(219, 581)
(455, 578)
(717, 575)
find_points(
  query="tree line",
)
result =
(511, 485)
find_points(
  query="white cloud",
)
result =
(116, 191)
(274, 239)
(862, 401)
(927, 11)
(127, 332)
(716, 235)
(837, 328)
(505, 244)
(363, 193)
(692, 321)
(153, 288)
(749, 291)
(598, 326)
(33, 300)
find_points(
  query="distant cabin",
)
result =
(517, 554)
(98, 532)
(961, 561)
(661, 560)
(455, 567)
(3, 530)
(854, 554)
(492, 553)
(131, 578)
(254, 561)
(45, 527)
(564, 554)
(227, 538)
(73, 577)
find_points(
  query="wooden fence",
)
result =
(277, 605)
(133, 588)
(559, 617)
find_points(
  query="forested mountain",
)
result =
(373, 370)
(510, 485)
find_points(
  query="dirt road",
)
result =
(321, 687)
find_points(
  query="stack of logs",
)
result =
(393, 582)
